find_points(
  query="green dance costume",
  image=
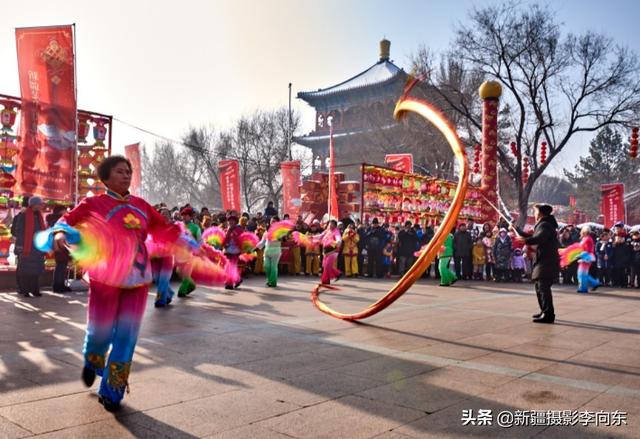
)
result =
(447, 277)
(188, 285)
(272, 252)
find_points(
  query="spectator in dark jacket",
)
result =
(635, 260)
(546, 264)
(502, 249)
(462, 247)
(407, 245)
(621, 261)
(30, 260)
(61, 256)
(376, 239)
(427, 236)
(604, 258)
(270, 211)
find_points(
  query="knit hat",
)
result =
(35, 201)
(187, 211)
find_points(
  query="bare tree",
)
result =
(260, 144)
(554, 86)
(552, 190)
(183, 173)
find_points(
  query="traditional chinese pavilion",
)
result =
(360, 110)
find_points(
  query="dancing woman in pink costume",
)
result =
(115, 311)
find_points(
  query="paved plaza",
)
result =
(264, 363)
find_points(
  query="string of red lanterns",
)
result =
(476, 159)
(543, 153)
(633, 149)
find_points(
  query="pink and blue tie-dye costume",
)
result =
(585, 281)
(162, 269)
(115, 311)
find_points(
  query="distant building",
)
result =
(361, 112)
(632, 205)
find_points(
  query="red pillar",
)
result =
(490, 92)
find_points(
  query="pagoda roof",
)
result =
(314, 139)
(382, 72)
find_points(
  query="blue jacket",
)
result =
(602, 249)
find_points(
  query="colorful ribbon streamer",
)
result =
(405, 105)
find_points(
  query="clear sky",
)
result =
(165, 65)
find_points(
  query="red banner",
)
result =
(230, 184)
(132, 152)
(333, 192)
(291, 188)
(612, 206)
(400, 162)
(46, 162)
(572, 201)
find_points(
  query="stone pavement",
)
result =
(263, 363)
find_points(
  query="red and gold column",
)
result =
(490, 92)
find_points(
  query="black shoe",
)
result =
(109, 405)
(23, 293)
(536, 316)
(228, 287)
(37, 293)
(545, 319)
(88, 376)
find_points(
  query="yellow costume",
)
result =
(350, 240)
(312, 265)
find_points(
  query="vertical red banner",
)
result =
(291, 188)
(333, 191)
(612, 206)
(400, 162)
(230, 184)
(132, 152)
(47, 146)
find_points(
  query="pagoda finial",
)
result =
(385, 46)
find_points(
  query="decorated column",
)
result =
(490, 92)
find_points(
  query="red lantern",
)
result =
(100, 131)
(476, 159)
(8, 115)
(6, 180)
(83, 127)
(514, 149)
(633, 149)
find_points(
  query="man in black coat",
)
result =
(462, 247)
(376, 240)
(546, 264)
(407, 245)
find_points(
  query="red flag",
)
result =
(291, 187)
(230, 184)
(47, 146)
(132, 152)
(400, 162)
(572, 201)
(612, 206)
(333, 193)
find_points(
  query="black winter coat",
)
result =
(462, 244)
(546, 264)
